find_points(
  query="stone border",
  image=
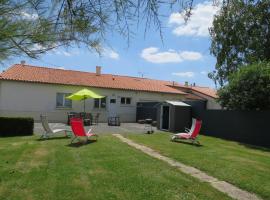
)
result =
(222, 186)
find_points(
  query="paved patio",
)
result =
(101, 128)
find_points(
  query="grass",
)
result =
(242, 165)
(107, 169)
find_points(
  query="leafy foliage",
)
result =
(33, 27)
(248, 89)
(240, 36)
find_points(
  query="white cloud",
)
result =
(111, 54)
(199, 22)
(28, 16)
(65, 53)
(62, 53)
(56, 51)
(114, 55)
(153, 55)
(204, 72)
(37, 47)
(184, 74)
(191, 55)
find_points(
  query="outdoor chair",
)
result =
(191, 136)
(48, 131)
(78, 130)
(114, 121)
(189, 131)
(87, 118)
(148, 126)
(96, 119)
(72, 115)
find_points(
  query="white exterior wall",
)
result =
(32, 99)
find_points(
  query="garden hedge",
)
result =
(16, 126)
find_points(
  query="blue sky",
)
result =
(183, 55)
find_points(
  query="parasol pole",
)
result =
(84, 104)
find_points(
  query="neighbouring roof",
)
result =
(206, 91)
(35, 74)
(193, 90)
(190, 96)
(177, 103)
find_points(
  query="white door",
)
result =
(112, 107)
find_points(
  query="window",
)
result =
(62, 102)
(128, 101)
(112, 100)
(100, 103)
(125, 100)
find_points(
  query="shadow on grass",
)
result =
(53, 138)
(254, 147)
(188, 143)
(246, 145)
(79, 144)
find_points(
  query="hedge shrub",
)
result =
(16, 126)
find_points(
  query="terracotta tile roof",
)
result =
(190, 96)
(206, 91)
(28, 73)
(199, 89)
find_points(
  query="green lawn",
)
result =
(107, 169)
(243, 166)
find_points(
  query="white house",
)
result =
(30, 91)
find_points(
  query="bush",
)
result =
(248, 88)
(17, 126)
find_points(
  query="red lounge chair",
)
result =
(189, 131)
(78, 130)
(192, 136)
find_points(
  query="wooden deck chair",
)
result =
(48, 131)
(192, 136)
(78, 130)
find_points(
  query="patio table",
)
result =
(114, 121)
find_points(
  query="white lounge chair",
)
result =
(48, 131)
(189, 131)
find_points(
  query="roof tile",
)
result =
(28, 73)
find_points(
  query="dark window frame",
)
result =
(112, 100)
(125, 100)
(100, 103)
(65, 103)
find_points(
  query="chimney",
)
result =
(22, 62)
(186, 83)
(98, 70)
(194, 84)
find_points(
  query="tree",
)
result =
(248, 88)
(33, 27)
(240, 36)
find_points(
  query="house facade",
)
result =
(29, 91)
